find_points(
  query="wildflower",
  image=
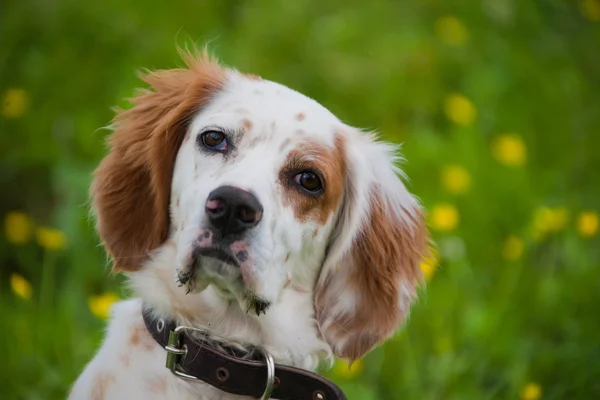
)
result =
(14, 103)
(548, 220)
(460, 110)
(509, 150)
(456, 179)
(531, 391)
(587, 223)
(18, 226)
(513, 248)
(102, 304)
(590, 9)
(444, 217)
(430, 263)
(451, 31)
(348, 371)
(51, 239)
(20, 286)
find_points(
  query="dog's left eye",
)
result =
(214, 140)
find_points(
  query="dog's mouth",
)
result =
(223, 271)
(215, 253)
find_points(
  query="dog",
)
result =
(243, 208)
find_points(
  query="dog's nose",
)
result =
(232, 210)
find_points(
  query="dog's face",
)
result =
(256, 186)
(260, 189)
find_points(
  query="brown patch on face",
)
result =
(331, 163)
(300, 116)
(157, 384)
(247, 124)
(285, 144)
(381, 272)
(253, 77)
(102, 381)
(132, 185)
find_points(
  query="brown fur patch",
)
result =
(101, 383)
(332, 165)
(140, 337)
(157, 384)
(125, 360)
(247, 124)
(132, 185)
(285, 144)
(382, 272)
(300, 116)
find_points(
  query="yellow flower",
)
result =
(430, 263)
(451, 31)
(547, 220)
(590, 9)
(587, 223)
(14, 103)
(460, 110)
(513, 248)
(509, 150)
(51, 239)
(444, 217)
(102, 304)
(347, 371)
(20, 286)
(17, 226)
(531, 391)
(456, 179)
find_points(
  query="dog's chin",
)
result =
(219, 269)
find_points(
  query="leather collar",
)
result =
(191, 358)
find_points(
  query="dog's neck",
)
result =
(288, 331)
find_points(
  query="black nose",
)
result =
(232, 210)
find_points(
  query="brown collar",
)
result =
(194, 360)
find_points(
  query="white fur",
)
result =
(286, 256)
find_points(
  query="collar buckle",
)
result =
(177, 353)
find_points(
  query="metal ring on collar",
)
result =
(270, 384)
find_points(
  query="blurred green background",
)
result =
(497, 103)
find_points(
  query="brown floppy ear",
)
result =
(132, 185)
(372, 270)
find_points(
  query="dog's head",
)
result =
(260, 189)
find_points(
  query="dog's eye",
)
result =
(214, 140)
(309, 181)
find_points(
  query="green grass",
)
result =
(486, 326)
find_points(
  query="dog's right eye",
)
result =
(214, 140)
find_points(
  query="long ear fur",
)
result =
(132, 185)
(369, 277)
